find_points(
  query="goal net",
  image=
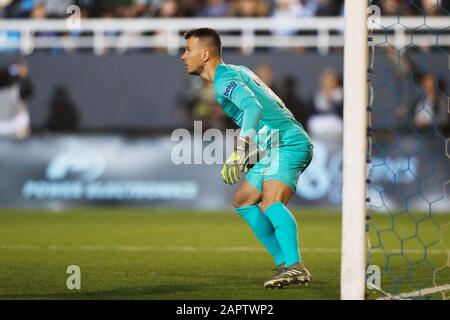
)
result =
(407, 183)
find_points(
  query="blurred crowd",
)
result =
(420, 103)
(422, 106)
(73, 40)
(15, 89)
(39, 9)
(171, 8)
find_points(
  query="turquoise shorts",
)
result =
(284, 163)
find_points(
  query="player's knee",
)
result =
(236, 203)
(268, 201)
(266, 204)
(240, 200)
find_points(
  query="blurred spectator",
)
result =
(63, 115)
(290, 9)
(287, 92)
(141, 8)
(198, 102)
(213, 8)
(434, 8)
(177, 8)
(328, 7)
(16, 8)
(395, 7)
(329, 98)
(169, 9)
(429, 110)
(403, 68)
(89, 8)
(265, 73)
(15, 87)
(328, 105)
(188, 8)
(249, 8)
(52, 8)
(115, 8)
(294, 102)
(39, 12)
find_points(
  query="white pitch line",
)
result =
(192, 249)
(417, 293)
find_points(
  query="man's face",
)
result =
(193, 56)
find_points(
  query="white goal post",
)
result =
(353, 256)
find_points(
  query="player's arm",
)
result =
(245, 154)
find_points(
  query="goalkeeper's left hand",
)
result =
(239, 161)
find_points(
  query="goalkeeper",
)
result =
(269, 184)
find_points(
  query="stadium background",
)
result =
(101, 118)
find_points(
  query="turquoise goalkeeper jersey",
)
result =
(252, 105)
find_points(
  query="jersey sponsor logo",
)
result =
(229, 89)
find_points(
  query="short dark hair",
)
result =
(206, 33)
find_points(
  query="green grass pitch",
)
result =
(155, 254)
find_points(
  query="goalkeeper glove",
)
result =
(241, 160)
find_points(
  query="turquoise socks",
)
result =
(263, 230)
(286, 231)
